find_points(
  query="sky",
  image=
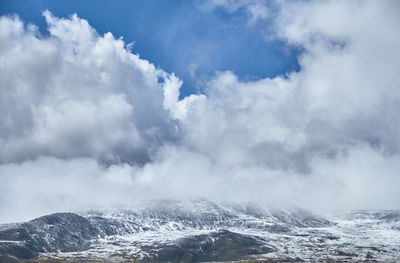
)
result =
(283, 103)
(193, 39)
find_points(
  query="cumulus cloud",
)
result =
(77, 94)
(287, 130)
(86, 123)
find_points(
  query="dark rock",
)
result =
(57, 232)
(6, 258)
(391, 216)
(217, 246)
(16, 250)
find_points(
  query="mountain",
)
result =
(201, 231)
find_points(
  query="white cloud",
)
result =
(77, 94)
(344, 100)
(33, 188)
(257, 10)
(81, 109)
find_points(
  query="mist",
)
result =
(86, 123)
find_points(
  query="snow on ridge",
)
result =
(139, 232)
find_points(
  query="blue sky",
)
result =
(178, 36)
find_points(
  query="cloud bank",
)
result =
(86, 123)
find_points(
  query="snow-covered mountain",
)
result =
(200, 231)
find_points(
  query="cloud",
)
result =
(86, 123)
(47, 184)
(77, 94)
(342, 103)
(257, 10)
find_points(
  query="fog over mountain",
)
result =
(86, 123)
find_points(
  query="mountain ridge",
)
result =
(201, 230)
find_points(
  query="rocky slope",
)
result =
(200, 231)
